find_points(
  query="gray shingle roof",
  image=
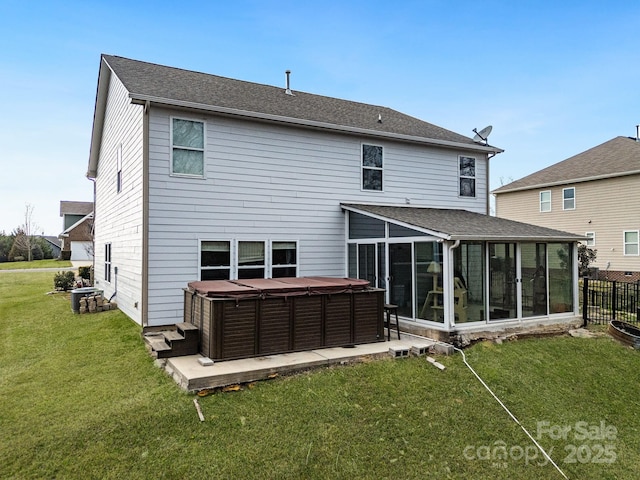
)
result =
(616, 157)
(464, 225)
(75, 208)
(146, 81)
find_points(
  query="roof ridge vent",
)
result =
(288, 89)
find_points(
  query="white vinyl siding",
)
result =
(545, 201)
(118, 216)
(631, 242)
(569, 198)
(260, 186)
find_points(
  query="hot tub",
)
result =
(255, 317)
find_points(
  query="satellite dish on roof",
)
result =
(482, 135)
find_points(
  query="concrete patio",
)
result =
(191, 375)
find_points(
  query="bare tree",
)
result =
(29, 228)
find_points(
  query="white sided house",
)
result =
(201, 177)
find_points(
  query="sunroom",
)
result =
(455, 270)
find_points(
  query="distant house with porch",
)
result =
(201, 177)
(77, 231)
(594, 194)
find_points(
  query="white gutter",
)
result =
(141, 99)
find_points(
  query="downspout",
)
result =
(450, 292)
(93, 227)
(145, 216)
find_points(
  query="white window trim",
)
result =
(108, 261)
(203, 149)
(236, 258)
(231, 254)
(362, 168)
(624, 243)
(270, 256)
(474, 177)
(234, 268)
(541, 201)
(591, 237)
(564, 200)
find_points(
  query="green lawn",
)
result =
(80, 398)
(35, 264)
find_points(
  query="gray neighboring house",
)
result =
(55, 244)
(201, 177)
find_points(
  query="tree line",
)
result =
(18, 246)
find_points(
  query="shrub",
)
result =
(36, 252)
(84, 272)
(64, 280)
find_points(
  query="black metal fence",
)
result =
(603, 300)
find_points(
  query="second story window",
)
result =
(187, 145)
(371, 167)
(467, 176)
(569, 198)
(631, 242)
(545, 201)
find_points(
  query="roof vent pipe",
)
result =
(288, 90)
(637, 133)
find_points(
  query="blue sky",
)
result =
(553, 78)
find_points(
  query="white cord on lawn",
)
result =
(464, 359)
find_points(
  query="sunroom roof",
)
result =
(452, 224)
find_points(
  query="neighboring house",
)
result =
(201, 177)
(594, 194)
(76, 237)
(55, 244)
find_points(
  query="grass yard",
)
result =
(35, 264)
(81, 399)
